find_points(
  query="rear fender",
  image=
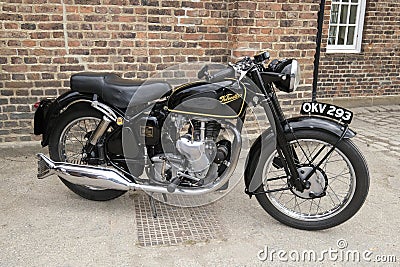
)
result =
(296, 123)
(49, 119)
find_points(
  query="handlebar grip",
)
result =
(202, 72)
(221, 75)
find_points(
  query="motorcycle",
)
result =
(109, 135)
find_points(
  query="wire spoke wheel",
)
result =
(336, 168)
(338, 187)
(66, 144)
(74, 137)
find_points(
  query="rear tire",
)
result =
(305, 217)
(72, 116)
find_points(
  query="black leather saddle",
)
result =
(117, 91)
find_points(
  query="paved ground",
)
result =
(379, 128)
(44, 224)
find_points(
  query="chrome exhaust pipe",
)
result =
(106, 178)
(93, 176)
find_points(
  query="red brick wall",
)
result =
(282, 27)
(42, 42)
(376, 70)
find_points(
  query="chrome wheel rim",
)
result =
(340, 188)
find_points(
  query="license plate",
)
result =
(327, 110)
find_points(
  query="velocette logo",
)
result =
(229, 98)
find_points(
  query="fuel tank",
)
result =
(225, 99)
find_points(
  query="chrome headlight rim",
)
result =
(295, 75)
(290, 69)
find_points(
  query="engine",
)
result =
(200, 152)
(199, 149)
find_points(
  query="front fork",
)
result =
(276, 117)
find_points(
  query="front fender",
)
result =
(296, 123)
(318, 123)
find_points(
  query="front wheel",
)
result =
(338, 188)
(67, 142)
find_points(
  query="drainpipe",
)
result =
(318, 49)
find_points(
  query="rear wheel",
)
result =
(67, 141)
(341, 182)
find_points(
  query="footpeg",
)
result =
(174, 184)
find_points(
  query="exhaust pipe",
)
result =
(98, 177)
(106, 178)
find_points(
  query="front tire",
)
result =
(343, 175)
(66, 143)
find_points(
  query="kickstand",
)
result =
(165, 197)
(153, 206)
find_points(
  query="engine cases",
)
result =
(224, 99)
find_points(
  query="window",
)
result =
(345, 26)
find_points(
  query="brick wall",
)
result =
(376, 70)
(284, 28)
(42, 42)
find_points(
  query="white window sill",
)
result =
(343, 51)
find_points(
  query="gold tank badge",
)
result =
(229, 98)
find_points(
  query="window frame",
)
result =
(356, 47)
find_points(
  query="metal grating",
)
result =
(174, 225)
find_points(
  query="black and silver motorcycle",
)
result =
(108, 135)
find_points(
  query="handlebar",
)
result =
(217, 77)
(243, 65)
(221, 75)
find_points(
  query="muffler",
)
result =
(93, 176)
